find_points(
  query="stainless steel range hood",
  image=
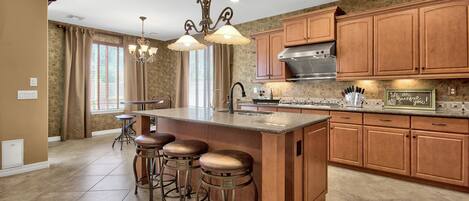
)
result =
(311, 62)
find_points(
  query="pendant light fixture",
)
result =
(227, 34)
(142, 52)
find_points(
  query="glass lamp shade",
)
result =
(227, 34)
(132, 48)
(144, 48)
(153, 50)
(186, 43)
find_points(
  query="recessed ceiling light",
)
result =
(234, 1)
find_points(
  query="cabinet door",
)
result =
(295, 32)
(440, 157)
(315, 161)
(321, 28)
(263, 58)
(396, 43)
(444, 38)
(387, 149)
(277, 68)
(355, 47)
(267, 109)
(346, 144)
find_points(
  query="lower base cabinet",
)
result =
(441, 157)
(387, 149)
(346, 144)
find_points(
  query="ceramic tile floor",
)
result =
(89, 170)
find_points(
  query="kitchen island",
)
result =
(289, 150)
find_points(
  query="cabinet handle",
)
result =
(407, 136)
(385, 120)
(332, 128)
(415, 137)
(439, 124)
(423, 68)
(345, 117)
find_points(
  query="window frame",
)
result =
(98, 72)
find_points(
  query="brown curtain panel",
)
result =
(223, 74)
(133, 76)
(182, 79)
(76, 121)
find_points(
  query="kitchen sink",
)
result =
(248, 113)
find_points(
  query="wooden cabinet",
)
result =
(444, 38)
(314, 27)
(277, 68)
(268, 45)
(315, 162)
(346, 142)
(262, 57)
(321, 28)
(355, 47)
(289, 110)
(387, 149)
(296, 32)
(440, 157)
(248, 108)
(267, 109)
(396, 43)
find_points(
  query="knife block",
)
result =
(354, 100)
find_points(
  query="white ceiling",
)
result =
(165, 17)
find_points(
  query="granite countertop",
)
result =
(277, 122)
(437, 113)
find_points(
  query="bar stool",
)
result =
(148, 148)
(226, 170)
(180, 156)
(127, 132)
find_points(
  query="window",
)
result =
(107, 78)
(201, 77)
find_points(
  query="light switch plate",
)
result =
(27, 95)
(33, 82)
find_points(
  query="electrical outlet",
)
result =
(451, 91)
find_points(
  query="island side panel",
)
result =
(218, 137)
(273, 167)
(315, 162)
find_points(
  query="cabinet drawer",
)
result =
(267, 109)
(347, 117)
(318, 112)
(290, 110)
(387, 120)
(249, 108)
(440, 124)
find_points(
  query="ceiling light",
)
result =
(143, 52)
(234, 1)
(227, 34)
(186, 43)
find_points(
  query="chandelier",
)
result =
(144, 53)
(227, 34)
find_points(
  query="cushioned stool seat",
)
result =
(154, 140)
(185, 148)
(226, 161)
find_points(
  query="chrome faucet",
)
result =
(230, 98)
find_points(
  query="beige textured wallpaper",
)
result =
(160, 75)
(244, 68)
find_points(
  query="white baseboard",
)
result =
(54, 139)
(24, 169)
(106, 132)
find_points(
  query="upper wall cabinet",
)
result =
(354, 47)
(396, 43)
(444, 38)
(268, 45)
(313, 27)
(422, 40)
